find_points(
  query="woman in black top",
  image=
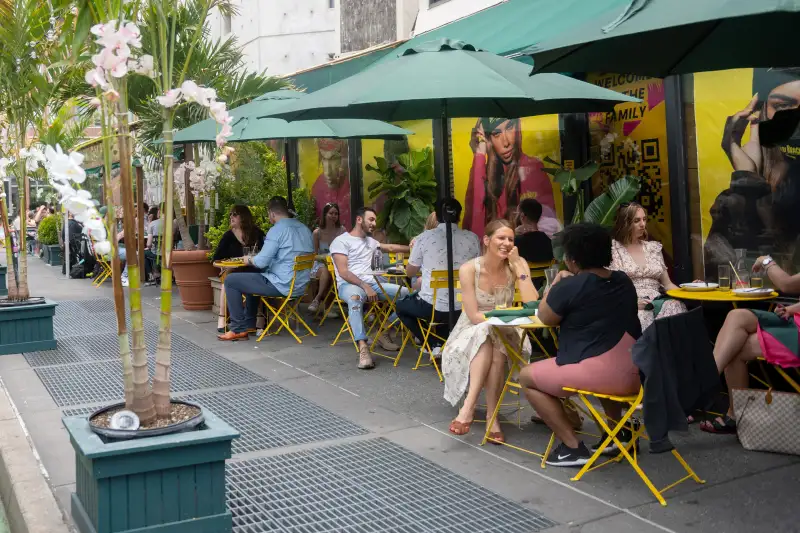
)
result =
(596, 309)
(243, 233)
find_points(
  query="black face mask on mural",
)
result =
(782, 130)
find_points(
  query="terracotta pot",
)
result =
(192, 270)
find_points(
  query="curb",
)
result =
(29, 502)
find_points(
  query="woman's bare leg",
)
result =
(324, 284)
(736, 372)
(222, 308)
(739, 325)
(494, 384)
(478, 371)
(549, 408)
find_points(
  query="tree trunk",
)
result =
(116, 270)
(142, 394)
(183, 228)
(23, 293)
(162, 375)
(11, 278)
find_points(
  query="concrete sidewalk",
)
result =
(308, 406)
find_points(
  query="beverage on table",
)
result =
(724, 277)
(501, 297)
(756, 281)
(743, 279)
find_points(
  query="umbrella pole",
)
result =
(286, 159)
(444, 173)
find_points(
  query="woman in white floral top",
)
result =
(643, 262)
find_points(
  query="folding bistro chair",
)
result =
(285, 307)
(427, 326)
(629, 451)
(105, 270)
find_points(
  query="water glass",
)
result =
(724, 277)
(246, 251)
(400, 258)
(502, 297)
(550, 274)
(742, 278)
(756, 281)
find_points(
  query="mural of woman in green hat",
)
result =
(502, 175)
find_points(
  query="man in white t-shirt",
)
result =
(429, 254)
(352, 259)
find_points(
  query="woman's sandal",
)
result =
(459, 428)
(497, 438)
(720, 425)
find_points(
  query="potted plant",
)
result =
(48, 239)
(409, 188)
(149, 463)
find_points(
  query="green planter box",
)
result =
(168, 484)
(3, 287)
(27, 328)
(52, 254)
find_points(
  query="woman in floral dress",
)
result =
(643, 262)
(474, 352)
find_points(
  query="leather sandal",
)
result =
(233, 336)
(459, 428)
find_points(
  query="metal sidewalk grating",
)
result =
(101, 381)
(98, 305)
(370, 486)
(269, 416)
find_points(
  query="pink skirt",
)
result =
(610, 373)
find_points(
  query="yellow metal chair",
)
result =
(783, 373)
(626, 451)
(285, 307)
(337, 301)
(105, 270)
(537, 269)
(438, 282)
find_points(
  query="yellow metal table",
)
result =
(386, 311)
(718, 295)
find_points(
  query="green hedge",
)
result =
(48, 230)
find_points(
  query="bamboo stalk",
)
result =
(142, 397)
(162, 374)
(116, 271)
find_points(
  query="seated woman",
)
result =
(430, 223)
(643, 262)
(750, 333)
(329, 228)
(474, 352)
(243, 233)
(596, 310)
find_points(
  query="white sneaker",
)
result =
(125, 282)
(313, 306)
(436, 353)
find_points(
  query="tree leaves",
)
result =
(603, 209)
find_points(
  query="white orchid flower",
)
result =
(96, 78)
(222, 136)
(66, 167)
(145, 66)
(191, 91)
(4, 162)
(77, 204)
(96, 227)
(170, 99)
(114, 63)
(102, 248)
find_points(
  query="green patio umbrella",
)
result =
(247, 127)
(446, 79)
(663, 37)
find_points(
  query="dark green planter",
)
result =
(52, 254)
(3, 288)
(167, 484)
(27, 328)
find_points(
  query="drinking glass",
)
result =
(400, 258)
(550, 274)
(724, 277)
(246, 251)
(501, 297)
(756, 281)
(742, 278)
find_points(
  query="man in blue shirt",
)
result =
(287, 239)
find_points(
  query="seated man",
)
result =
(287, 239)
(352, 259)
(430, 253)
(533, 245)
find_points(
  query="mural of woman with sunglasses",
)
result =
(759, 209)
(501, 176)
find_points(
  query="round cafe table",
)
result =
(717, 295)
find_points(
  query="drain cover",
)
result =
(269, 416)
(367, 486)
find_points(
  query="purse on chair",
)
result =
(767, 420)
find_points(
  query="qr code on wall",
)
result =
(644, 161)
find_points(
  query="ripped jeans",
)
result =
(354, 296)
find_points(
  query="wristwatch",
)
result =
(767, 262)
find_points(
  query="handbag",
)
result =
(767, 420)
